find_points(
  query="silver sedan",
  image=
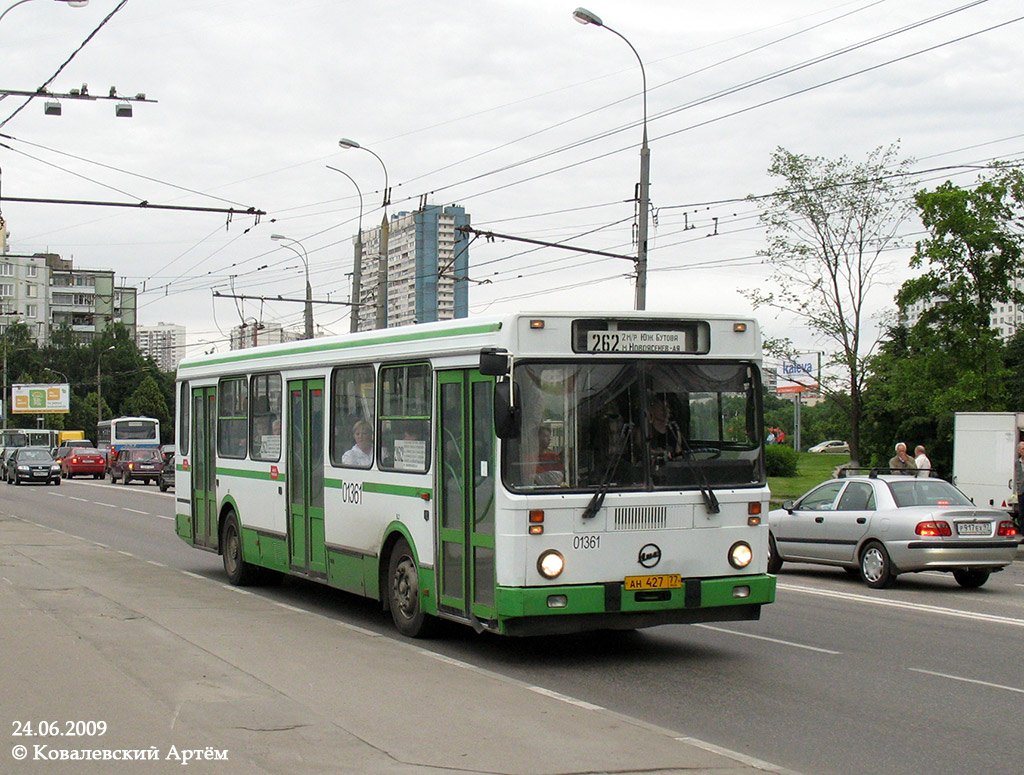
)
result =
(880, 526)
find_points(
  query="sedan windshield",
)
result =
(35, 456)
(146, 454)
(636, 425)
(927, 492)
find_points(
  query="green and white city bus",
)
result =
(525, 474)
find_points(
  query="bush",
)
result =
(780, 460)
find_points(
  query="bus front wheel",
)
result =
(403, 590)
(239, 572)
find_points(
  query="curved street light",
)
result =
(382, 256)
(583, 16)
(357, 266)
(99, 384)
(72, 3)
(308, 316)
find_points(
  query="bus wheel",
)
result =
(239, 572)
(403, 590)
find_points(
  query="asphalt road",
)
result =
(835, 678)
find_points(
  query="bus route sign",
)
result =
(636, 341)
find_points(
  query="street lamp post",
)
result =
(72, 3)
(382, 256)
(583, 16)
(357, 267)
(99, 385)
(309, 290)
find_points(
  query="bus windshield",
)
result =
(636, 425)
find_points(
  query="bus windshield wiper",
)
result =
(597, 499)
(710, 500)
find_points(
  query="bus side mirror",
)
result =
(507, 417)
(494, 362)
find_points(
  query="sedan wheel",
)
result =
(971, 579)
(876, 567)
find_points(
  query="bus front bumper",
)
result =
(550, 610)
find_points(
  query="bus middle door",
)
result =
(466, 482)
(306, 537)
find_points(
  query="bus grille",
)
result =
(640, 518)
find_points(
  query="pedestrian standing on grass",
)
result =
(902, 463)
(924, 465)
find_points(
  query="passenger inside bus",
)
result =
(550, 470)
(361, 453)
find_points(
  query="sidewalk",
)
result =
(177, 665)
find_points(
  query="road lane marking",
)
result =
(770, 640)
(74, 498)
(108, 505)
(967, 680)
(136, 511)
(920, 607)
(565, 698)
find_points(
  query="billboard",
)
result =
(40, 399)
(798, 374)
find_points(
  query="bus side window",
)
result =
(352, 394)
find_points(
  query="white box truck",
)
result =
(984, 452)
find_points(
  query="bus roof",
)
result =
(453, 337)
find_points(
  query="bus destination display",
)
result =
(636, 341)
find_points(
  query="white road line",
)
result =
(108, 505)
(931, 609)
(770, 640)
(126, 554)
(967, 680)
(565, 698)
(136, 511)
(194, 575)
(82, 500)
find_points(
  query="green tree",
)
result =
(827, 228)
(973, 254)
(148, 401)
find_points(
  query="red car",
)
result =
(82, 461)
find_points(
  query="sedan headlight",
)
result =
(55, 467)
(23, 468)
(740, 554)
(550, 564)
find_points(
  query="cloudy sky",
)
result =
(527, 119)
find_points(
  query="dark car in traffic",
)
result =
(166, 479)
(31, 464)
(131, 464)
(81, 461)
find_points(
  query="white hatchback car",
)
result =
(878, 526)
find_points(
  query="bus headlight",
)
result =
(550, 564)
(740, 554)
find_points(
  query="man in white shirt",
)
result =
(924, 465)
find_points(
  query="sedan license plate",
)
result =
(973, 528)
(664, 581)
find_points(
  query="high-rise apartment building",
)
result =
(428, 260)
(1006, 318)
(164, 343)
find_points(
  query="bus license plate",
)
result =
(666, 581)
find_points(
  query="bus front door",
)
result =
(306, 539)
(465, 556)
(204, 467)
